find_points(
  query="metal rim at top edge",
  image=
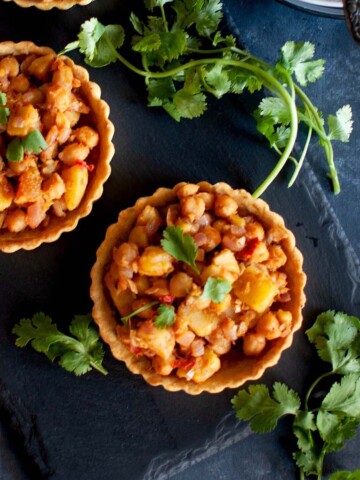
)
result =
(334, 12)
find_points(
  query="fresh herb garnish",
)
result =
(165, 316)
(181, 246)
(78, 354)
(346, 475)
(216, 289)
(33, 142)
(331, 420)
(138, 310)
(185, 57)
(4, 111)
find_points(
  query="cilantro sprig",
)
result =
(322, 422)
(78, 353)
(33, 142)
(185, 57)
(165, 314)
(180, 245)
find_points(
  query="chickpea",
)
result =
(208, 199)
(208, 238)
(163, 366)
(285, 320)
(63, 75)
(155, 262)
(159, 287)
(187, 226)
(20, 84)
(73, 153)
(36, 213)
(268, 326)
(218, 343)
(86, 135)
(150, 218)
(139, 236)
(172, 214)
(260, 253)
(192, 207)
(33, 96)
(15, 220)
(160, 341)
(180, 284)
(276, 234)
(233, 242)
(277, 257)
(126, 254)
(225, 206)
(187, 190)
(9, 67)
(254, 230)
(58, 97)
(141, 283)
(253, 344)
(59, 207)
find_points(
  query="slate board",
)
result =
(117, 427)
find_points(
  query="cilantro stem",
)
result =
(326, 143)
(139, 310)
(313, 386)
(301, 159)
(99, 368)
(166, 26)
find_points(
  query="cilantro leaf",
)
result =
(91, 32)
(341, 125)
(303, 425)
(344, 397)
(15, 150)
(165, 316)
(216, 289)
(188, 104)
(335, 429)
(32, 142)
(337, 340)
(181, 246)
(217, 78)
(4, 111)
(263, 412)
(346, 475)
(295, 59)
(106, 46)
(77, 354)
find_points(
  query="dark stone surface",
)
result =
(57, 426)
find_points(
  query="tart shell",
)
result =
(48, 5)
(99, 111)
(236, 368)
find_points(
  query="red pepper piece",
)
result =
(90, 166)
(185, 363)
(246, 253)
(167, 299)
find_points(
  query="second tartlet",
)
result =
(45, 191)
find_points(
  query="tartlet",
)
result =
(49, 4)
(251, 250)
(46, 193)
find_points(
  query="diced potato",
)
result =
(224, 265)
(163, 366)
(22, 120)
(6, 194)
(255, 288)
(160, 341)
(206, 366)
(76, 180)
(202, 322)
(29, 186)
(41, 66)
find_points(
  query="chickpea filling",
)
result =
(42, 93)
(237, 250)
